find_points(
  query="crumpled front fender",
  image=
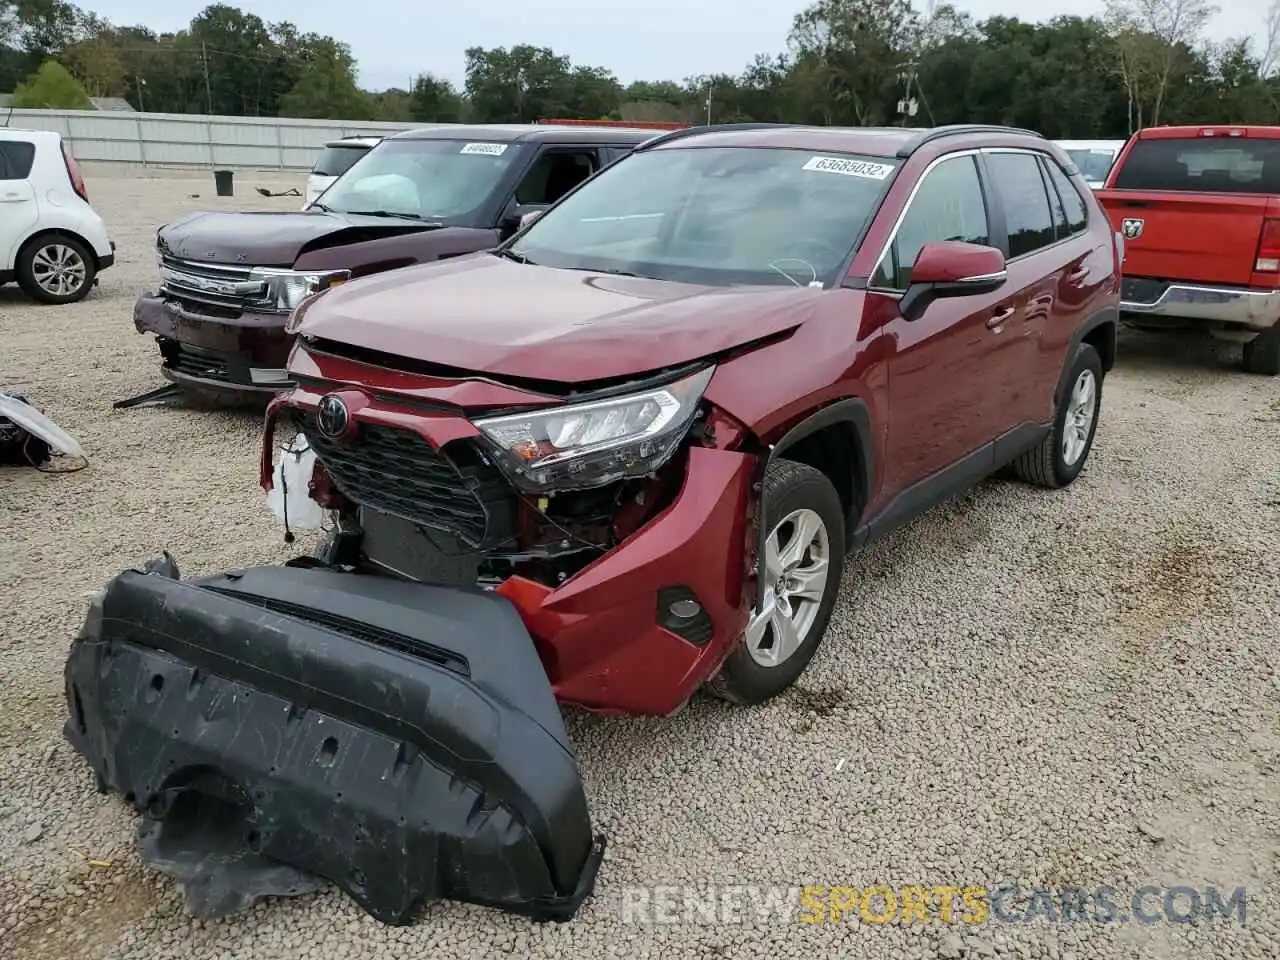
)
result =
(280, 724)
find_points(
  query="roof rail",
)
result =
(712, 128)
(956, 129)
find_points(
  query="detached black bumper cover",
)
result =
(280, 724)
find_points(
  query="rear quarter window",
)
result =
(16, 159)
(1207, 165)
(335, 161)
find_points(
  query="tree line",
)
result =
(846, 62)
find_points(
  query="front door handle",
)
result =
(999, 318)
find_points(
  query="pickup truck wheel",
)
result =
(1262, 353)
(55, 269)
(804, 560)
(1060, 457)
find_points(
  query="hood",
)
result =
(273, 239)
(492, 315)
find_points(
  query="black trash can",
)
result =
(222, 180)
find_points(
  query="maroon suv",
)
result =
(659, 417)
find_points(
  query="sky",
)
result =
(394, 40)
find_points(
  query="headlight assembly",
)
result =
(584, 445)
(283, 290)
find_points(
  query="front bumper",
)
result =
(277, 724)
(603, 635)
(243, 355)
(1237, 307)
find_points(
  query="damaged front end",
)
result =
(278, 725)
(618, 519)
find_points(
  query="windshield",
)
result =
(443, 180)
(336, 159)
(1094, 164)
(716, 216)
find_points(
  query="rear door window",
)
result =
(1204, 164)
(335, 161)
(16, 159)
(1017, 181)
(1072, 202)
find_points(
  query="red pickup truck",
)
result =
(1199, 210)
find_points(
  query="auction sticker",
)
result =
(485, 149)
(850, 168)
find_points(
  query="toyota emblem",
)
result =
(333, 417)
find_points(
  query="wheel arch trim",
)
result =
(850, 411)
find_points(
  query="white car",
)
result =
(51, 240)
(1093, 158)
(336, 159)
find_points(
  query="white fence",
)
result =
(192, 140)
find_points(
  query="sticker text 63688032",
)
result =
(485, 149)
(850, 168)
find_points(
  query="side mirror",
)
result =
(950, 268)
(515, 218)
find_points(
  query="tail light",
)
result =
(73, 171)
(1268, 260)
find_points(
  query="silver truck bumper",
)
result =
(1256, 310)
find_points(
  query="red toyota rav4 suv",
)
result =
(659, 417)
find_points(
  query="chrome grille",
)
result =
(226, 287)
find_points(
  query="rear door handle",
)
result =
(999, 318)
(1078, 275)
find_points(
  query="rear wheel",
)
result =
(1058, 460)
(55, 269)
(1262, 353)
(804, 561)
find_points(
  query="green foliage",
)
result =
(326, 86)
(847, 62)
(433, 100)
(51, 87)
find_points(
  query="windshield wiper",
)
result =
(512, 255)
(390, 214)
(317, 205)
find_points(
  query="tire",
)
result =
(791, 491)
(1262, 353)
(55, 268)
(1051, 464)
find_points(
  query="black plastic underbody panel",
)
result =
(281, 723)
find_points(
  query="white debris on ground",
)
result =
(1074, 688)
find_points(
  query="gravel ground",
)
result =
(1054, 688)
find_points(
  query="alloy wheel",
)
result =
(797, 564)
(59, 270)
(1082, 408)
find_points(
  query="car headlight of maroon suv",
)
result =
(580, 446)
(616, 460)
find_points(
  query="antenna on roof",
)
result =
(8, 116)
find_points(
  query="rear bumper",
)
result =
(1232, 306)
(243, 356)
(397, 739)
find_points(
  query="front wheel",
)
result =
(55, 269)
(804, 561)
